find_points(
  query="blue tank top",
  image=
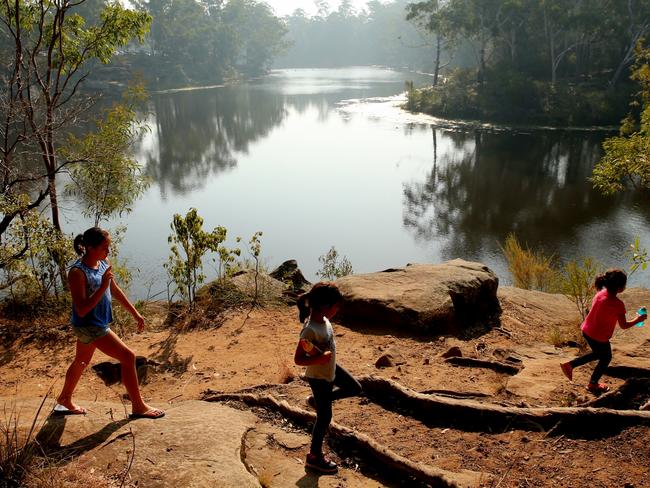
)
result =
(102, 314)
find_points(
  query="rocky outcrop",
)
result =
(195, 445)
(288, 272)
(433, 298)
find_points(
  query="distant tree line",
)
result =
(193, 42)
(376, 35)
(207, 41)
(566, 61)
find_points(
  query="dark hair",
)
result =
(93, 237)
(321, 295)
(613, 280)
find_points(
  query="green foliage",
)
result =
(189, 244)
(627, 156)
(333, 266)
(577, 282)
(106, 179)
(637, 256)
(511, 97)
(546, 62)
(33, 277)
(194, 42)
(255, 249)
(530, 270)
(47, 48)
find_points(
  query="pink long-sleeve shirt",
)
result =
(601, 319)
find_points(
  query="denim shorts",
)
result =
(86, 335)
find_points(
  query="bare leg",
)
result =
(83, 355)
(112, 346)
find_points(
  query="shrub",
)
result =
(30, 255)
(577, 282)
(530, 270)
(332, 266)
(189, 244)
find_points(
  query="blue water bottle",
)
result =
(641, 311)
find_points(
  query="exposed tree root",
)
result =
(483, 363)
(366, 447)
(632, 394)
(455, 394)
(474, 415)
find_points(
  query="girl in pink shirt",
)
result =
(598, 327)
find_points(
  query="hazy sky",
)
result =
(284, 7)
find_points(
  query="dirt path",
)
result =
(257, 349)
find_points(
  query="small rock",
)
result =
(426, 361)
(384, 361)
(453, 351)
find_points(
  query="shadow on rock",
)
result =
(50, 434)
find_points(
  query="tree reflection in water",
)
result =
(484, 185)
(198, 134)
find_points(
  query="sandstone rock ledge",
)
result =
(431, 298)
(195, 445)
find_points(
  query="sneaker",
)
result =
(567, 369)
(597, 387)
(311, 402)
(321, 464)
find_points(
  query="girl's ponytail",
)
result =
(614, 280)
(78, 244)
(303, 307)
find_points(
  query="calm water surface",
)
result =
(321, 158)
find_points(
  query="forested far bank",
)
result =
(553, 61)
(191, 43)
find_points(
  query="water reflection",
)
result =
(281, 153)
(483, 185)
(197, 134)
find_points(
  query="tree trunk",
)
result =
(436, 71)
(56, 223)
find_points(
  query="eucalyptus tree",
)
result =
(51, 48)
(430, 16)
(634, 21)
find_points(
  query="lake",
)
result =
(316, 158)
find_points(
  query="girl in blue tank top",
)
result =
(92, 286)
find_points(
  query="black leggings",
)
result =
(601, 351)
(324, 394)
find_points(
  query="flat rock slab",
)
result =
(196, 444)
(278, 466)
(431, 298)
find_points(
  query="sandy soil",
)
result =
(256, 347)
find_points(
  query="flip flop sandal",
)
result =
(63, 410)
(154, 413)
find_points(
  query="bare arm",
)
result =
(625, 324)
(77, 283)
(302, 359)
(121, 297)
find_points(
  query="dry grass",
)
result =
(71, 475)
(18, 450)
(530, 270)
